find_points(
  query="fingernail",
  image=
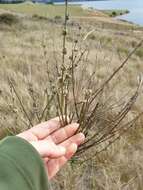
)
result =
(62, 149)
(75, 125)
(82, 136)
(74, 147)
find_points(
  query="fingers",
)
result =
(48, 149)
(54, 165)
(44, 129)
(64, 133)
(50, 130)
(76, 139)
(71, 144)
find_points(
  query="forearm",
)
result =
(21, 167)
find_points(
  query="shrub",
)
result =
(113, 14)
(38, 17)
(127, 11)
(9, 19)
(58, 17)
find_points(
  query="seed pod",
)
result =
(64, 33)
(64, 51)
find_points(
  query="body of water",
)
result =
(134, 6)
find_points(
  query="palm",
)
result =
(54, 136)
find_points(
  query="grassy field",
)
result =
(30, 50)
(44, 10)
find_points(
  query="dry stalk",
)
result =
(20, 102)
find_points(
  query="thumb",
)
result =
(48, 149)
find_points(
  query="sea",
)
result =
(134, 6)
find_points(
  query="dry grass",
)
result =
(32, 48)
(44, 10)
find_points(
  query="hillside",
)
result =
(75, 11)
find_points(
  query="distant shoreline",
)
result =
(110, 12)
(116, 12)
(78, 11)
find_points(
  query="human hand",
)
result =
(55, 144)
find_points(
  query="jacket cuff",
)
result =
(26, 160)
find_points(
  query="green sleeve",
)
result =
(21, 167)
